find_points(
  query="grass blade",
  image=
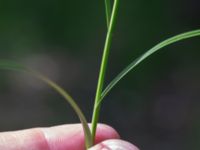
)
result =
(108, 11)
(151, 51)
(10, 65)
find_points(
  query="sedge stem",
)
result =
(96, 110)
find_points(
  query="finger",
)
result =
(53, 138)
(114, 144)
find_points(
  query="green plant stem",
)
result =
(104, 62)
(108, 12)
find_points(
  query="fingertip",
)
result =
(114, 144)
(105, 132)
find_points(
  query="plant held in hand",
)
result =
(111, 8)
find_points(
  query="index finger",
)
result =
(62, 137)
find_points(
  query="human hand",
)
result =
(64, 137)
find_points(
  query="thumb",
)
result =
(114, 144)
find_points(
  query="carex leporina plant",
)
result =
(111, 9)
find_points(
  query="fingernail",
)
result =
(114, 145)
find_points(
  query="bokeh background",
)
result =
(156, 107)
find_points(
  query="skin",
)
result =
(64, 137)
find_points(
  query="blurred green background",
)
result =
(155, 107)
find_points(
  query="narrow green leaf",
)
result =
(108, 11)
(10, 65)
(136, 62)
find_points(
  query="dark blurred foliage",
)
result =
(156, 106)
